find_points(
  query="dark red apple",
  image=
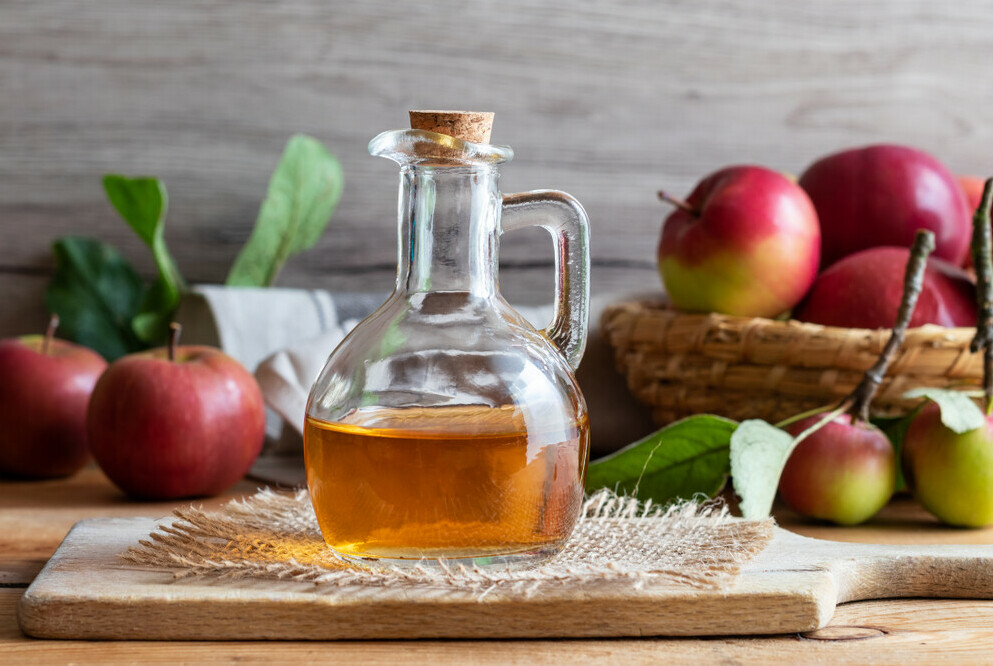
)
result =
(880, 196)
(950, 474)
(177, 422)
(745, 242)
(45, 386)
(863, 290)
(845, 472)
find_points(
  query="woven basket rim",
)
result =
(682, 363)
(661, 305)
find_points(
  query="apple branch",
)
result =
(174, 332)
(913, 282)
(681, 204)
(982, 249)
(53, 324)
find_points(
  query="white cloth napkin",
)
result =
(287, 375)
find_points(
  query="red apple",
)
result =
(950, 474)
(176, 422)
(45, 386)
(745, 242)
(845, 472)
(863, 290)
(881, 195)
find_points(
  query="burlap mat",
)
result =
(275, 535)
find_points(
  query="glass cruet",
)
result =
(445, 425)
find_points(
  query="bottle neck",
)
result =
(449, 238)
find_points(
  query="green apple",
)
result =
(950, 474)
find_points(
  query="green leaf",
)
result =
(958, 412)
(759, 452)
(303, 192)
(143, 202)
(96, 293)
(683, 459)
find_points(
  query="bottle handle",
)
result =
(564, 218)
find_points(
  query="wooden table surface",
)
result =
(35, 516)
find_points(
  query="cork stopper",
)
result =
(472, 126)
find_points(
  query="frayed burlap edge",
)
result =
(274, 536)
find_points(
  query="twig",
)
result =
(982, 247)
(913, 281)
(53, 324)
(681, 204)
(174, 331)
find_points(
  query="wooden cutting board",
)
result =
(85, 591)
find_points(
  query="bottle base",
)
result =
(511, 561)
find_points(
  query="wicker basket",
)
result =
(741, 367)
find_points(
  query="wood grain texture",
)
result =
(878, 632)
(84, 592)
(35, 515)
(606, 100)
(22, 308)
(897, 632)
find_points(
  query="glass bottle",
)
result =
(445, 425)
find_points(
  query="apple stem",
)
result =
(982, 249)
(174, 332)
(913, 282)
(681, 204)
(53, 324)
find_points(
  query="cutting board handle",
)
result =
(864, 571)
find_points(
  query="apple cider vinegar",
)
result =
(445, 424)
(444, 481)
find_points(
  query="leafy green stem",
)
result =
(802, 415)
(828, 417)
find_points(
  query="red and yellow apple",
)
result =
(744, 242)
(880, 196)
(845, 472)
(863, 290)
(45, 386)
(950, 474)
(182, 422)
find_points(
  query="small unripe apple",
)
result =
(176, 422)
(950, 474)
(45, 386)
(745, 242)
(845, 472)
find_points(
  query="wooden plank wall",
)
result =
(606, 99)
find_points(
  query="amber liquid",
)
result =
(452, 482)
